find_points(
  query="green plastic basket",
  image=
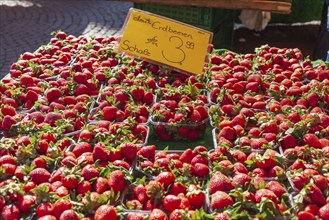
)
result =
(218, 21)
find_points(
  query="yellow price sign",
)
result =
(165, 41)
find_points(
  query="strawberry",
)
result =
(10, 212)
(7, 122)
(140, 193)
(265, 193)
(321, 181)
(69, 214)
(171, 202)
(241, 179)
(220, 200)
(83, 187)
(106, 212)
(25, 203)
(48, 217)
(195, 196)
(60, 206)
(81, 148)
(117, 181)
(288, 141)
(219, 182)
(52, 94)
(186, 156)
(323, 212)
(100, 152)
(165, 178)
(109, 113)
(268, 159)
(177, 188)
(129, 150)
(101, 185)
(82, 89)
(312, 140)
(200, 169)
(39, 175)
(222, 216)
(313, 99)
(89, 172)
(276, 187)
(45, 208)
(52, 117)
(8, 110)
(315, 195)
(147, 152)
(158, 214)
(303, 215)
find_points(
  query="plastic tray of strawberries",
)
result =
(172, 161)
(256, 197)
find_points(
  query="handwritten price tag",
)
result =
(165, 41)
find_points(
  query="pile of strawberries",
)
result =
(76, 116)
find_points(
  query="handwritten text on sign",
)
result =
(166, 41)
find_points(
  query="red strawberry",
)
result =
(140, 193)
(202, 111)
(101, 185)
(39, 175)
(186, 156)
(288, 141)
(201, 169)
(83, 187)
(171, 202)
(165, 178)
(106, 212)
(312, 140)
(323, 212)
(53, 93)
(48, 217)
(45, 208)
(69, 214)
(303, 215)
(195, 116)
(25, 203)
(60, 206)
(110, 113)
(82, 89)
(129, 150)
(177, 188)
(321, 181)
(8, 110)
(81, 147)
(313, 99)
(219, 182)
(265, 193)
(100, 152)
(117, 181)
(276, 187)
(158, 214)
(241, 179)
(315, 195)
(10, 212)
(147, 152)
(52, 117)
(89, 172)
(222, 216)
(220, 200)
(7, 122)
(195, 196)
(268, 159)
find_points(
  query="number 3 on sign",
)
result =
(177, 43)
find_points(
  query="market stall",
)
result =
(91, 132)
